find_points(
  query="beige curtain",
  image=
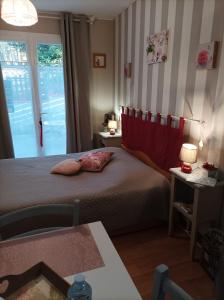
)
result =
(6, 146)
(76, 44)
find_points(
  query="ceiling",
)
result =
(103, 9)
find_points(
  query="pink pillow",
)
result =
(66, 167)
(95, 161)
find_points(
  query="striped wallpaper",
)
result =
(175, 86)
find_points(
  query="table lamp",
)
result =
(112, 125)
(188, 155)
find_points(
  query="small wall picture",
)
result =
(99, 60)
(156, 48)
(206, 56)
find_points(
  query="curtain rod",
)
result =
(56, 16)
(165, 116)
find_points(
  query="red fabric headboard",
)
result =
(161, 143)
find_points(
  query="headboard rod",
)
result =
(165, 116)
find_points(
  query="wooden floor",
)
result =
(141, 252)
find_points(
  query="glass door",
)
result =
(32, 67)
(19, 97)
(51, 96)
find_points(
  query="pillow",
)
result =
(95, 161)
(146, 160)
(66, 167)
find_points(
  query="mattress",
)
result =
(126, 194)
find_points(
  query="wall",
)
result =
(102, 39)
(175, 86)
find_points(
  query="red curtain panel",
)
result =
(161, 143)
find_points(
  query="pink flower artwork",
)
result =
(156, 47)
(206, 55)
(203, 57)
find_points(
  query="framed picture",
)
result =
(99, 60)
(206, 55)
(156, 47)
(39, 282)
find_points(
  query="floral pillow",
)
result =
(95, 161)
(66, 167)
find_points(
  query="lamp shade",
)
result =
(19, 12)
(112, 124)
(188, 153)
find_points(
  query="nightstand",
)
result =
(197, 205)
(107, 140)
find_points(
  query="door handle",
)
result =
(41, 127)
(41, 131)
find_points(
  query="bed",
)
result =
(126, 195)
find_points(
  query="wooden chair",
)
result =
(37, 219)
(164, 286)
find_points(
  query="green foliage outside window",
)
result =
(49, 55)
(16, 52)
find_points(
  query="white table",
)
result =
(107, 140)
(112, 281)
(107, 135)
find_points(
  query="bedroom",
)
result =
(118, 34)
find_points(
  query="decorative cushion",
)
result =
(66, 167)
(95, 161)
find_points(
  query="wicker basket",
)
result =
(212, 243)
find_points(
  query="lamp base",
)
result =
(112, 131)
(186, 168)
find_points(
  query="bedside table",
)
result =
(197, 204)
(107, 140)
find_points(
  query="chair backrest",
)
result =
(164, 286)
(39, 218)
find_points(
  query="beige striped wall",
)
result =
(175, 86)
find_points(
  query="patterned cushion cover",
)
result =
(95, 161)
